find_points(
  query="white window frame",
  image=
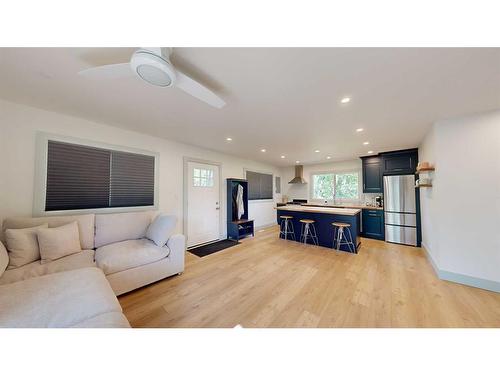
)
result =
(40, 188)
(335, 199)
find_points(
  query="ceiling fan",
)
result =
(153, 66)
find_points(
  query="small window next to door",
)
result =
(203, 177)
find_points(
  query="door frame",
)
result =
(222, 205)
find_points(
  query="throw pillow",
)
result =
(160, 230)
(23, 246)
(58, 242)
(4, 258)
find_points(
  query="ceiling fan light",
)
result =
(153, 69)
(153, 75)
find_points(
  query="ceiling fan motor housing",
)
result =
(153, 69)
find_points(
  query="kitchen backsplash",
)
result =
(369, 198)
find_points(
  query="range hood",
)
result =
(298, 179)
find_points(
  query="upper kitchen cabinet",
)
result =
(372, 174)
(399, 162)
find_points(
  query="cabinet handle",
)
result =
(372, 215)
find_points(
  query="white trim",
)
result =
(459, 278)
(265, 226)
(40, 181)
(222, 204)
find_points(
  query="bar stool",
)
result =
(286, 227)
(308, 230)
(340, 238)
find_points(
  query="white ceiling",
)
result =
(285, 100)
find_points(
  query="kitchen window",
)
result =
(342, 186)
(323, 186)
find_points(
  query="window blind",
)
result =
(77, 177)
(84, 177)
(132, 179)
(260, 185)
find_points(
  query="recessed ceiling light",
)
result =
(359, 130)
(328, 157)
(366, 143)
(297, 161)
(263, 150)
(282, 156)
(370, 152)
(316, 151)
(229, 139)
(345, 100)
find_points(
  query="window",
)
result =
(203, 177)
(323, 186)
(277, 183)
(347, 186)
(260, 185)
(329, 186)
(85, 177)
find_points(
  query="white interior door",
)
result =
(203, 206)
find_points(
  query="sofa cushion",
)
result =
(4, 259)
(61, 299)
(106, 320)
(124, 255)
(85, 225)
(160, 230)
(58, 242)
(84, 258)
(22, 245)
(110, 228)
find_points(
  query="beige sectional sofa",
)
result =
(79, 290)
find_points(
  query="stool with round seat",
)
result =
(340, 237)
(308, 231)
(286, 227)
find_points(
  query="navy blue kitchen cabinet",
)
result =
(373, 224)
(399, 162)
(372, 174)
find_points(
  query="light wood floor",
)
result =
(268, 282)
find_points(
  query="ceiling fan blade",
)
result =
(108, 71)
(197, 90)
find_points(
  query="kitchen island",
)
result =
(323, 217)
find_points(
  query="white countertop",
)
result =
(345, 206)
(324, 210)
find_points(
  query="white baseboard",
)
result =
(264, 226)
(459, 278)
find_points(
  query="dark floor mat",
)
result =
(212, 247)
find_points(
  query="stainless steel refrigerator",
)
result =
(400, 209)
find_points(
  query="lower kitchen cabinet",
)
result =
(373, 224)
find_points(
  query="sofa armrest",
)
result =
(177, 246)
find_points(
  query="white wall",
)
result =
(19, 125)
(461, 212)
(303, 191)
(428, 198)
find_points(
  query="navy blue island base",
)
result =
(323, 223)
